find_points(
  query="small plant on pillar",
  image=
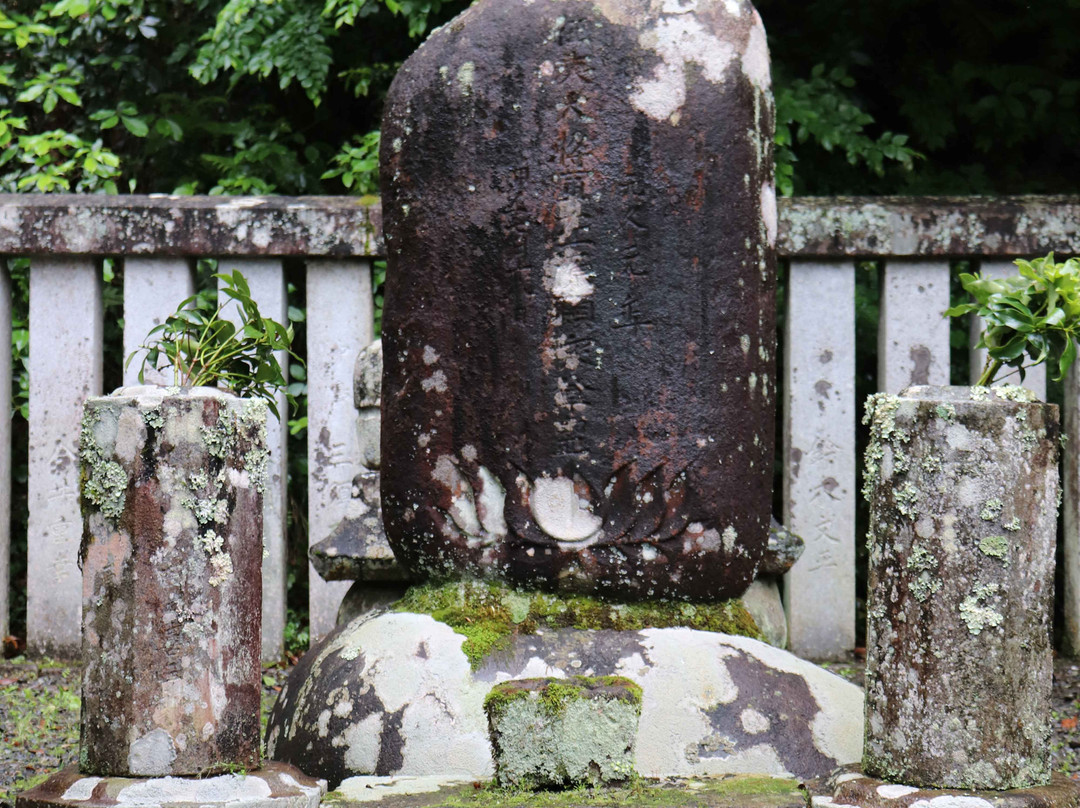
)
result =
(1031, 318)
(206, 349)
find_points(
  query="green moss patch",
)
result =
(739, 791)
(489, 615)
(555, 694)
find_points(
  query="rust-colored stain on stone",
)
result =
(579, 329)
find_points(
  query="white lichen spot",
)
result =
(679, 6)
(436, 381)
(678, 41)
(468, 452)
(755, 59)
(465, 75)
(430, 356)
(753, 722)
(564, 278)
(491, 504)
(893, 791)
(729, 536)
(562, 510)
(744, 343)
(648, 552)
(1014, 392)
(768, 211)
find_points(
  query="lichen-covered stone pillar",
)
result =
(172, 552)
(963, 491)
(580, 304)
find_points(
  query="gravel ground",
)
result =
(39, 717)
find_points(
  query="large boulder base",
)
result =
(395, 694)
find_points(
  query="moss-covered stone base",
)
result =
(489, 614)
(717, 792)
(555, 733)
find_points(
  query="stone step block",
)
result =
(551, 732)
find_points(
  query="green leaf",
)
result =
(137, 126)
(1066, 361)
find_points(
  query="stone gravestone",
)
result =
(579, 333)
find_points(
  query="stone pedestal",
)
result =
(848, 786)
(172, 551)
(275, 785)
(963, 489)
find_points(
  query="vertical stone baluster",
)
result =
(819, 460)
(340, 323)
(153, 289)
(1071, 506)
(1035, 378)
(266, 278)
(913, 333)
(65, 370)
(5, 453)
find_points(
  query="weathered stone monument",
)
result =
(579, 330)
(172, 483)
(577, 400)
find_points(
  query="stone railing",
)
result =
(158, 238)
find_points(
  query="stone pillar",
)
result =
(172, 551)
(580, 321)
(963, 489)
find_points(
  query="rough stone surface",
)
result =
(557, 733)
(702, 792)
(819, 457)
(215, 226)
(762, 600)
(275, 785)
(357, 549)
(849, 786)
(341, 292)
(782, 550)
(963, 488)
(171, 559)
(62, 377)
(579, 334)
(881, 226)
(365, 597)
(394, 694)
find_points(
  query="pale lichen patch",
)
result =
(978, 616)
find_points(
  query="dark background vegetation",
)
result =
(284, 96)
